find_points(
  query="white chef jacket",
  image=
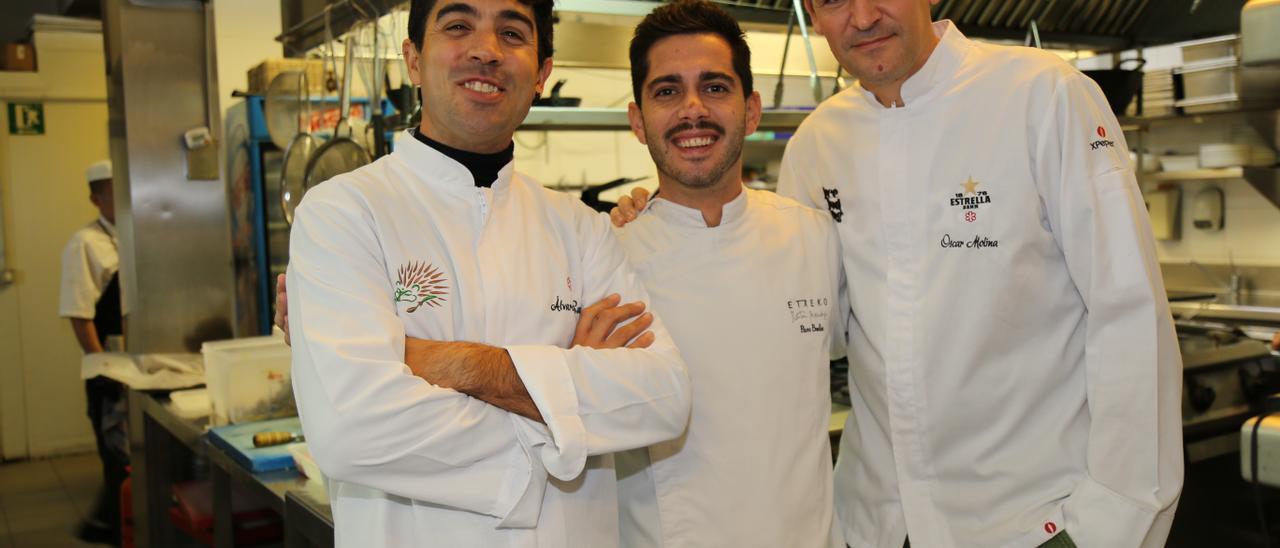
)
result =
(89, 260)
(409, 246)
(754, 306)
(1013, 358)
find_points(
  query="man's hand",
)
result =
(1275, 341)
(598, 325)
(282, 308)
(629, 207)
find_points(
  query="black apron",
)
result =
(108, 413)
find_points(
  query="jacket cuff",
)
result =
(545, 374)
(1097, 516)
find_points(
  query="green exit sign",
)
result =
(26, 119)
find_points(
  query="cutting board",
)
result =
(237, 441)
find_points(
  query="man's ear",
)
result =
(637, 122)
(753, 112)
(544, 74)
(411, 58)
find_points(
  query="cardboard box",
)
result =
(19, 57)
(260, 76)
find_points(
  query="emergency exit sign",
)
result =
(26, 119)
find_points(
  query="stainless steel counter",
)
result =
(1254, 309)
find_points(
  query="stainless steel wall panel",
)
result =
(175, 247)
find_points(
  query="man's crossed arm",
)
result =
(486, 372)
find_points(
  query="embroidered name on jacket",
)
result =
(813, 312)
(978, 242)
(561, 306)
(421, 284)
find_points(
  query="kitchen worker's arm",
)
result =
(1133, 368)
(78, 295)
(367, 418)
(86, 335)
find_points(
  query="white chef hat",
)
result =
(98, 171)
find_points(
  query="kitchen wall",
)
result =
(245, 32)
(1251, 228)
(45, 198)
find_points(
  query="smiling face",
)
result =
(479, 72)
(694, 115)
(880, 42)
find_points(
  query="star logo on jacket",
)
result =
(969, 199)
(832, 196)
(420, 284)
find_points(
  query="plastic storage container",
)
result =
(248, 380)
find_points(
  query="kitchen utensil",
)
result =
(1180, 162)
(555, 100)
(283, 106)
(293, 167)
(591, 196)
(1119, 84)
(267, 439)
(340, 154)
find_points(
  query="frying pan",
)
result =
(340, 154)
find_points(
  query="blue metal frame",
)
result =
(258, 142)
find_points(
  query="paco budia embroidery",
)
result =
(422, 284)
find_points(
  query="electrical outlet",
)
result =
(1268, 450)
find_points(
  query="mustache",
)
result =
(874, 32)
(702, 124)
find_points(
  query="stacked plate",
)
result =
(1157, 93)
(1217, 155)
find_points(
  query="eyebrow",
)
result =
(514, 15)
(456, 7)
(467, 9)
(705, 76)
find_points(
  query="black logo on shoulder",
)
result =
(832, 196)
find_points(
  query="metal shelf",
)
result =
(1194, 175)
(615, 119)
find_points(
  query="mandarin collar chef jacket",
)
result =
(410, 246)
(754, 306)
(1014, 366)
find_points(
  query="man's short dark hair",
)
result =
(98, 186)
(688, 17)
(543, 20)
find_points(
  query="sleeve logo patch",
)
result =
(1102, 141)
(421, 284)
(832, 195)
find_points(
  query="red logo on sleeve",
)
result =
(1102, 132)
(1050, 527)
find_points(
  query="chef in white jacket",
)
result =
(748, 283)
(1015, 370)
(508, 442)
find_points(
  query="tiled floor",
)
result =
(42, 501)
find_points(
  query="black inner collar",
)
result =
(484, 168)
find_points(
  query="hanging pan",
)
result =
(341, 154)
(294, 165)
